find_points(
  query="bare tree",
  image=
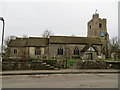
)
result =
(47, 33)
(115, 46)
(115, 43)
(6, 42)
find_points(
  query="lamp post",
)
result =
(2, 19)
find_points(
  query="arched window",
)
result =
(90, 26)
(76, 51)
(100, 25)
(60, 51)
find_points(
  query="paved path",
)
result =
(61, 81)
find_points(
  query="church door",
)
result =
(89, 56)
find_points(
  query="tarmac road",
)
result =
(61, 81)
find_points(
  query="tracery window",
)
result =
(60, 51)
(76, 51)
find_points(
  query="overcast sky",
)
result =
(62, 17)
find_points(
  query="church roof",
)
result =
(74, 40)
(32, 41)
(39, 41)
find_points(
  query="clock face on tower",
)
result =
(102, 34)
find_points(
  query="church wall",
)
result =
(67, 50)
(53, 51)
(20, 52)
(42, 54)
(32, 52)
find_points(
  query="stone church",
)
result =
(94, 46)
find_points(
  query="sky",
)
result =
(62, 17)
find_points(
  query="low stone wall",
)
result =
(36, 65)
(60, 64)
(97, 65)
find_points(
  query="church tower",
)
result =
(97, 27)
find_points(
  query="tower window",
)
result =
(15, 50)
(60, 51)
(90, 26)
(100, 25)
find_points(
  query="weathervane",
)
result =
(95, 11)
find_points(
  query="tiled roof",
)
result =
(39, 41)
(74, 40)
(32, 41)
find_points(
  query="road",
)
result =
(61, 81)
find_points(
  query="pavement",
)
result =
(61, 71)
(97, 80)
